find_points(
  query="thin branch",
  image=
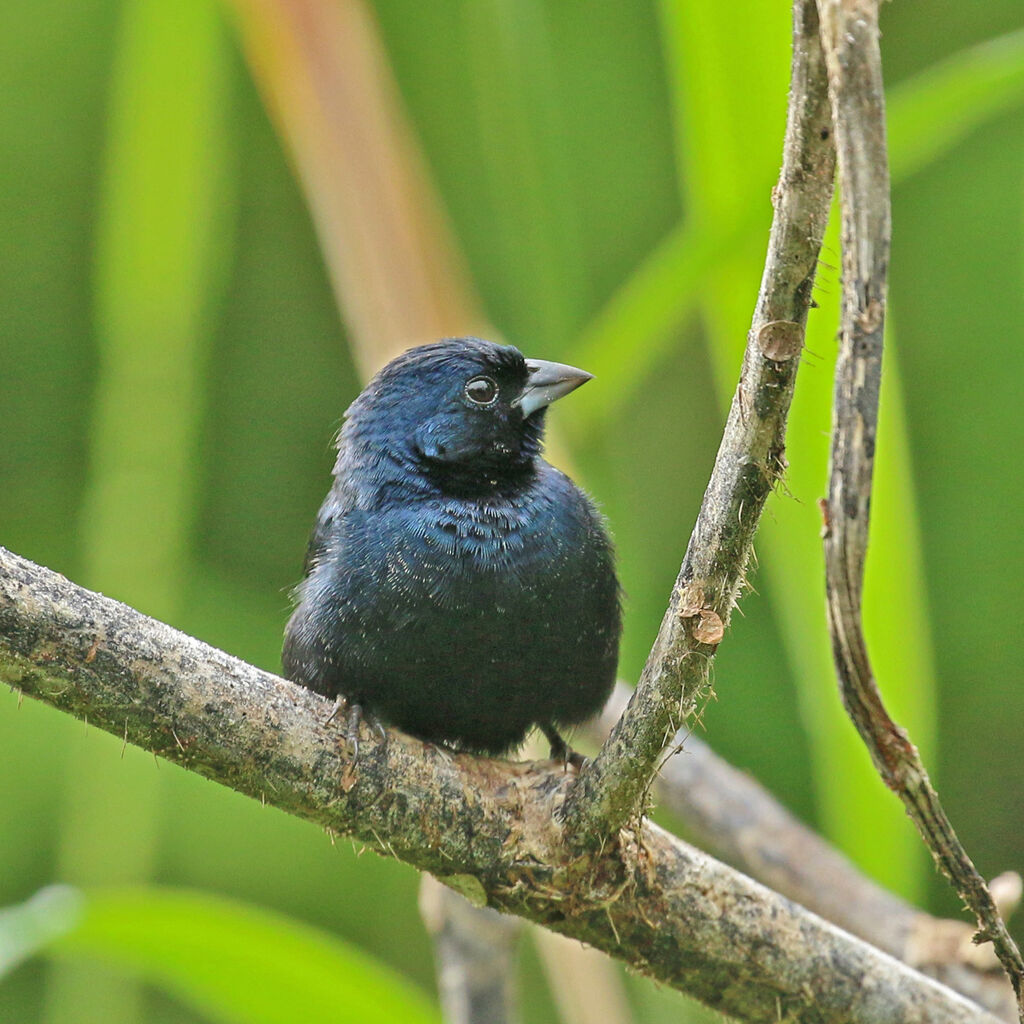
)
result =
(850, 34)
(750, 460)
(475, 953)
(492, 830)
(587, 987)
(726, 812)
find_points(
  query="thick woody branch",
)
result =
(725, 811)
(612, 788)
(491, 829)
(850, 35)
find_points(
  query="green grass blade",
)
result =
(160, 256)
(722, 72)
(533, 212)
(638, 327)
(927, 115)
(30, 927)
(931, 112)
(159, 262)
(229, 961)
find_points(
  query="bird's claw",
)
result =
(561, 751)
(354, 717)
(339, 703)
(576, 759)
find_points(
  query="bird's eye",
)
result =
(481, 390)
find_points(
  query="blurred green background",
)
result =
(173, 364)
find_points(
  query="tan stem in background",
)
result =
(476, 953)
(394, 264)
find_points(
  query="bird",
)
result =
(456, 585)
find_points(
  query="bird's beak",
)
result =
(547, 383)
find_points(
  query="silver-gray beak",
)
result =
(547, 383)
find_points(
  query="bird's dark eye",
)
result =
(481, 390)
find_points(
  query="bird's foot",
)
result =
(353, 719)
(561, 751)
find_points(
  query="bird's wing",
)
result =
(320, 535)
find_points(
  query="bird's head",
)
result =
(466, 412)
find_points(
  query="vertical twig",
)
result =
(587, 987)
(475, 954)
(850, 36)
(611, 789)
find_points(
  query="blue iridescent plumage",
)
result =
(458, 586)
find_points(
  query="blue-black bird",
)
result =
(457, 585)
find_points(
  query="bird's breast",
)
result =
(476, 539)
(525, 556)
